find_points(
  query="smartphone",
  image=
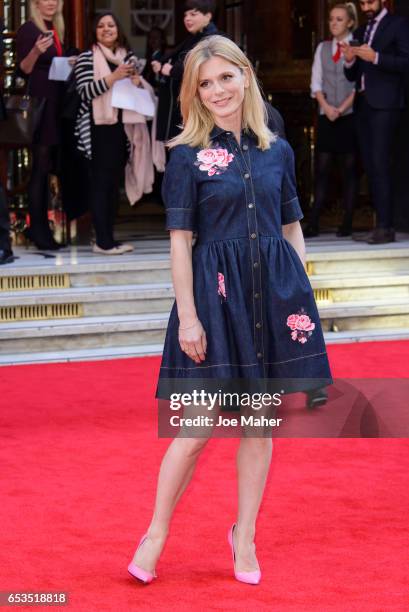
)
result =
(354, 43)
(48, 34)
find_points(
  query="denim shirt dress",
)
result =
(252, 294)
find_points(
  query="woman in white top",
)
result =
(336, 137)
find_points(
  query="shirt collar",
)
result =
(218, 131)
(381, 15)
(346, 39)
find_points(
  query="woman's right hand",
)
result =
(123, 72)
(193, 341)
(43, 43)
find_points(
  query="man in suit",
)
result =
(378, 66)
(6, 254)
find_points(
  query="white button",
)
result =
(245, 147)
(251, 205)
(247, 175)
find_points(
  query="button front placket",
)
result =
(243, 157)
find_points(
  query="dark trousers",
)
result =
(349, 167)
(376, 132)
(106, 174)
(5, 244)
(43, 163)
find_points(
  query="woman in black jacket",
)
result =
(39, 40)
(198, 22)
(6, 254)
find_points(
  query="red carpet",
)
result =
(79, 460)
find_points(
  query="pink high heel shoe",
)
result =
(247, 577)
(139, 573)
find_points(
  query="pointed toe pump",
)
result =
(247, 577)
(138, 572)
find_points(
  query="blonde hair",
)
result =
(351, 11)
(58, 20)
(198, 122)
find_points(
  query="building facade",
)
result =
(279, 37)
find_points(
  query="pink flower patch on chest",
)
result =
(214, 161)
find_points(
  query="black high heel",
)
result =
(47, 244)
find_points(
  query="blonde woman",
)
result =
(336, 133)
(244, 306)
(39, 40)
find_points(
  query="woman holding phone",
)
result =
(198, 21)
(39, 40)
(114, 142)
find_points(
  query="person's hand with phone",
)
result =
(366, 53)
(123, 71)
(44, 42)
(349, 51)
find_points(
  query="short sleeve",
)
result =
(26, 38)
(179, 191)
(290, 205)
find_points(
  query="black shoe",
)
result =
(311, 231)
(344, 231)
(6, 257)
(50, 245)
(316, 398)
(43, 243)
(382, 236)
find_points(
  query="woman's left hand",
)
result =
(72, 60)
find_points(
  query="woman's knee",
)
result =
(191, 446)
(259, 446)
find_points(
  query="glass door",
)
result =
(14, 163)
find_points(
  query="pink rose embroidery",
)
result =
(222, 286)
(301, 326)
(214, 161)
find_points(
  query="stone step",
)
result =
(84, 332)
(142, 298)
(132, 351)
(97, 301)
(345, 287)
(150, 263)
(97, 354)
(357, 259)
(147, 329)
(125, 270)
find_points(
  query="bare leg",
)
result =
(175, 474)
(253, 463)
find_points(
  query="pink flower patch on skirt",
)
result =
(222, 286)
(301, 326)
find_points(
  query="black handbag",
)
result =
(23, 117)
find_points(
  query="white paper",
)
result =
(60, 69)
(128, 97)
